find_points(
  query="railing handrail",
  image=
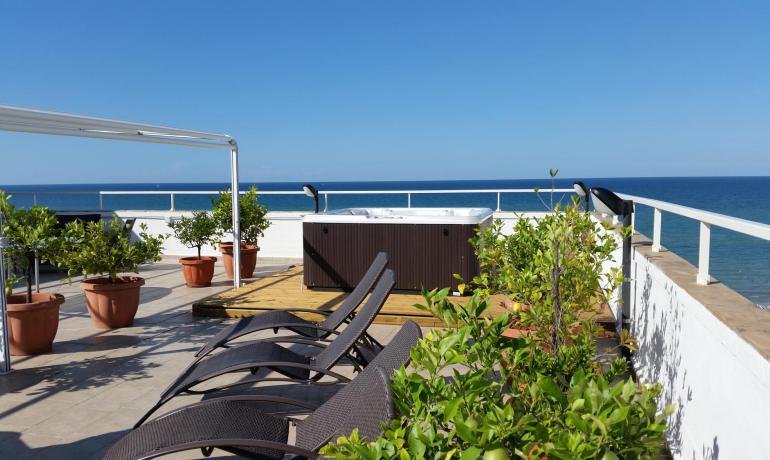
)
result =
(736, 224)
(441, 191)
(705, 219)
(296, 192)
(173, 193)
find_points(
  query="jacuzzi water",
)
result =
(468, 216)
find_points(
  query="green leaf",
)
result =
(450, 409)
(578, 404)
(471, 453)
(618, 415)
(464, 431)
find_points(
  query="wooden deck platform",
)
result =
(285, 290)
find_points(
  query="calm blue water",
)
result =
(740, 262)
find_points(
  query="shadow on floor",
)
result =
(12, 446)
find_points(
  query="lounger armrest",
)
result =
(234, 443)
(274, 364)
(315, 326)
(289, 339)
(309, 310)
(310, 367)
(259, 398)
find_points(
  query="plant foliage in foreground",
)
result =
(472, 393)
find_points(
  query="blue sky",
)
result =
(393, 90)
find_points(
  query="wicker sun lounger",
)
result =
(293, 366)
(287, 318)
(236, 423)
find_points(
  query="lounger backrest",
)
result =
(365, 403)
(396, 352)
(355, 298)
(353, 331)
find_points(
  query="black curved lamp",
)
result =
(584, 192)
(607, 202)
(313, 193)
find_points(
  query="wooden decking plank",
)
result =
(285, 290)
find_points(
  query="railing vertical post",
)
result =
(172, 201)
(704, 250)
(409, 200)
(657, 217)
(498, 202)
(326, 202)
(34, 199)
(101, 202)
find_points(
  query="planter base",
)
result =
(198, 272)
(32, 326)
(248, 259)
(112, 305)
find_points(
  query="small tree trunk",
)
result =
(556, 272)
(30, 270)
(199, 252)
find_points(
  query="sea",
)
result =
(739, 261)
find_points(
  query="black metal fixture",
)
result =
(313, 193)
(584, 193)
(607, 202)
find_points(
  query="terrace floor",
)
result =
(78, 400)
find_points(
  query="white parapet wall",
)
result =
(699, 343)
(282, 239)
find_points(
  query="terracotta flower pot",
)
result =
(501, 303)
(33, 326)
(198, 271)
(112, 305)
(248, 259)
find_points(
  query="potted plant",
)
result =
(194, 232)
(98, 249)
(253, 223)
(33, 318)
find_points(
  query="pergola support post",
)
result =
(5, 365)
(236, 215)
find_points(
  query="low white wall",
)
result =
(719, 383)
(282, 239)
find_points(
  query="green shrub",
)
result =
(468, 396)
(196, 231)
(554, 264)
(253, 216)
(98, 249)
(31, 232)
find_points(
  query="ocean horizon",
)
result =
(739, 261)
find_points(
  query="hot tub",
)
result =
(426, 246)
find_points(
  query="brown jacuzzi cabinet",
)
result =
(336, 255)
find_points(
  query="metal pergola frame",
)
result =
(64, 124)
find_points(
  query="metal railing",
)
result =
(173, 193)
(706, 219)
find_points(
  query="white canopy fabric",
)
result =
(27, 120)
